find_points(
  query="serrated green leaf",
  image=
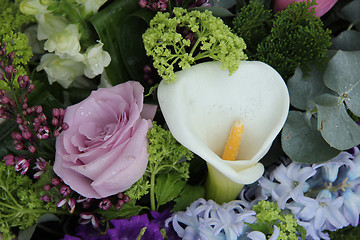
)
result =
(343, 76)
(188, 195)
(347, 41)
(351, 12)
(168, 187)
(336, 126)
(304, 89)
(106, 24)
(126, 211)
(302, 142)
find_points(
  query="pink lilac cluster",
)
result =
(192, 4)
(155, 5)
(323, 197)
(57, 189)
(33, 126)
(162, 5)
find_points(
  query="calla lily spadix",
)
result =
(201, 106)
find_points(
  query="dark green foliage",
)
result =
(297, 38)
(291, 38)
(348, 233)
(252, 24)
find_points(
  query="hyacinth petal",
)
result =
(351, 207)
(202, 105)
(256, 235)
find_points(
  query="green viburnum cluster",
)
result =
(297, 37)
(167, 170)
(20, 203)
(11, 23)
(170, 51)
(269, 214)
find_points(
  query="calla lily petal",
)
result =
(204, 102)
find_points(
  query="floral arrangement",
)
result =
(179, 119)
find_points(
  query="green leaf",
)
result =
(26, 234)
(132, 49)
(188, 195)
(302, 142)
(223, 3)
(6, 141)
(168, 186)
(347, 41)
(335, 124)
(126, 211)
(351, 12)
(343, 76)
(107, 23)
(304, 89)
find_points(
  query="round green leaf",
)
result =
(304, 89)
(223, 3)
(302, 142)
(343, 76)
(351, 12)
(336, 126)
(347, 41)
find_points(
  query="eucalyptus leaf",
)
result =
(216, 11)
(304, 89)
(132, 49)
(223, 3)
(351, 12)
(336, 126)
(107, 23)
(343, 76)
(302, 142)
(347, 41)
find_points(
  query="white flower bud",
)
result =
(91, 6)
(49, 25)
(65, 43)
(32, 7)
(95, 59)
(63, 71)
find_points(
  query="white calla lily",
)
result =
(201, 106)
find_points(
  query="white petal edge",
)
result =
(203, 103)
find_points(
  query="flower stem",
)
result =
(152, 191)
(220, 188)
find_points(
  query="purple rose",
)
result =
(104, 151)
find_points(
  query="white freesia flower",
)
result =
(91, 6)
(66, 43)
(95, 59)
(49, 25)
(201, 106)
(63, 71)
(33, 7)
